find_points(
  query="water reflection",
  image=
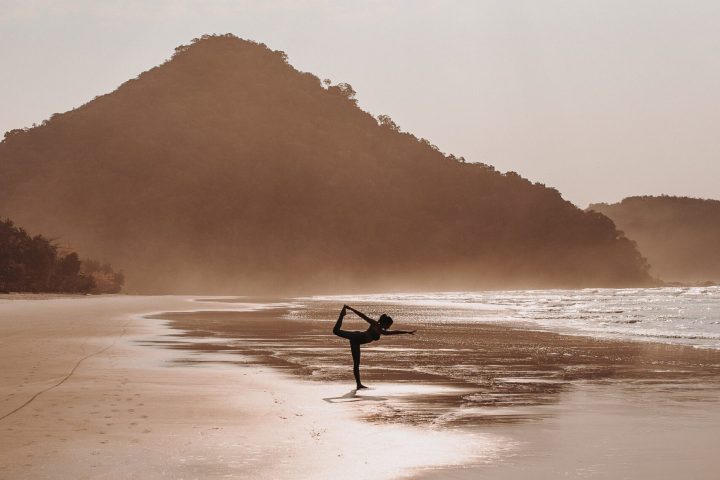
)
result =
(451, 372)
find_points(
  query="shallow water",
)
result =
(677, 315)
(489, 372)
(566, 406)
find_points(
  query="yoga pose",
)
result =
(377, 327)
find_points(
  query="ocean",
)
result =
(676, 315)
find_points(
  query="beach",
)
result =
(128, 410)
(193, 387)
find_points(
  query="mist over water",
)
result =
(678, 315)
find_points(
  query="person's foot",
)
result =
(361, 386)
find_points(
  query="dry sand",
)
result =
(83, 396)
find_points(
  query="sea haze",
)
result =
(677, 315)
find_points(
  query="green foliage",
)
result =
(33, 264)
(344, 90)
(105, 279)
(387, 122)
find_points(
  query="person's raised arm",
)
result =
(371, 321)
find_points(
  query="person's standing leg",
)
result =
(355, 348)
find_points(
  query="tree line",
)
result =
(37, 264)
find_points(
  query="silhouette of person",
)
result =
(375, 330)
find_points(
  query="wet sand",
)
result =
(497, 370)
(208, 391)
(572, 406)
(605, 432)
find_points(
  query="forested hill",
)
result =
(227, 170)
(679, 235)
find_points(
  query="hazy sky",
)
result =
(601, 99)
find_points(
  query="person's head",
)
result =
(385, 321)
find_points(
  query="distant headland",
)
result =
(679, 235)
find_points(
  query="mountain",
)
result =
(227, 170)
(679, 235)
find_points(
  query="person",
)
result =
(376, 329)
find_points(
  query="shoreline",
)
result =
(503, 365)
(570, 405)
(152, 397)
(130, 410)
